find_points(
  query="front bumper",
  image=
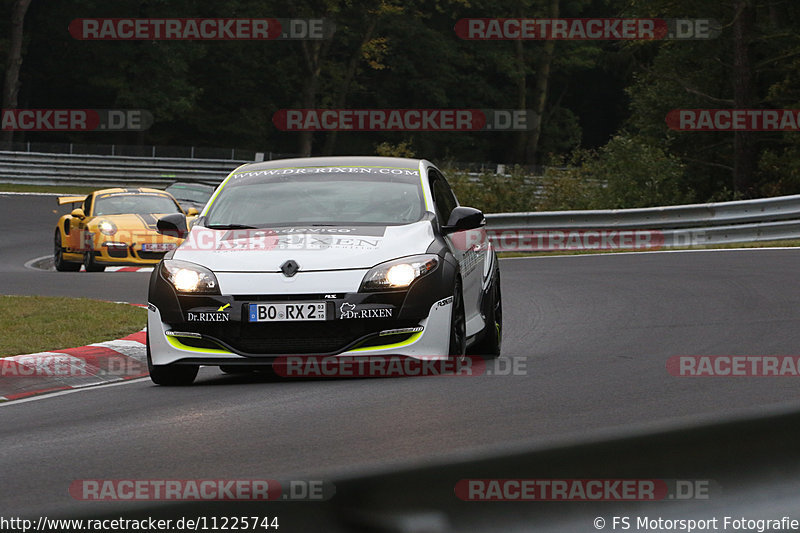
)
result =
(128, 248)
(127, 254)
(218, 330)
(169, 344)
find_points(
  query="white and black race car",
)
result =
(334, 256)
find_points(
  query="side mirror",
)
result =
(463, 219)
(173, 226)
(192, 212)
(78, 213)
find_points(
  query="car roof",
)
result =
(130, 190)
(324, 161)
(189, 184)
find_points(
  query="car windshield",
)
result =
(190, 193)
(258, 200)
(134, 204)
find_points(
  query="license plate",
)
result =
(289, 311)
(158, 247)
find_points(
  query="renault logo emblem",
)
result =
(290, 268)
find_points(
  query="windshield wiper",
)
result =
(230, 226)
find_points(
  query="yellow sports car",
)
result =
(114, 227)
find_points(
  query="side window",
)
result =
(87, 205)
(443, 197)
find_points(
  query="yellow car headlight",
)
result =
(107, 227)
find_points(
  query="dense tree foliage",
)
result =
(601, 105)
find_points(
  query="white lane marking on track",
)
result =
(70, 391)
(29, 265)
(797, 248)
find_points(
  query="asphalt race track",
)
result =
(26, 232)
(593, 333)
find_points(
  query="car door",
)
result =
(465, 247)
(77, 234)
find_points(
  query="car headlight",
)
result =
(189, 277)
(107, 227)
(400, 273)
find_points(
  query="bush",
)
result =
(625, 173)
(402, 149)
(494, 193)
(635, 174)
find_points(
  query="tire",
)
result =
(90, 264)
(58, 257)
(491, 337)
(170, 375)
(458, 323)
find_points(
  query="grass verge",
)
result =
(759, 244)
(13, 187)
(38, 324)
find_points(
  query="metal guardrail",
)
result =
(671, 217)
(763, 219)
(134, 150)
(30, 168)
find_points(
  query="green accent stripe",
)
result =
(175, 343)
(422, 184)
(411, 340)
(325, 166)
(219, 189)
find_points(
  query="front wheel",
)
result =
(458, 323)
(58, 257)
(170, 375)
(492, 336)
(90, 264)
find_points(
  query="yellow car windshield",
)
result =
(134, 204)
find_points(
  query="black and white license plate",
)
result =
(286, 311)
(158, 247)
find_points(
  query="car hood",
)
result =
(130, 222)
(312, 248)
